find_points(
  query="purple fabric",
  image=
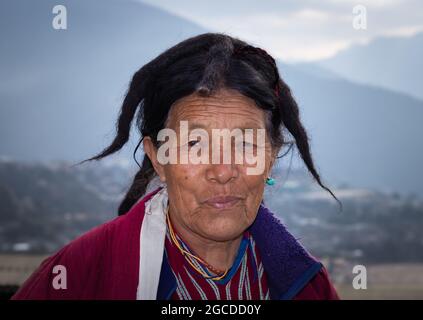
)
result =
(284, 258)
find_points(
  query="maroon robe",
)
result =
(104, 264)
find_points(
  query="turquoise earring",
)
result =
(270, 181)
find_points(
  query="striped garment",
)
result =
(246, 280)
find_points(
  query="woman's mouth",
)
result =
(222, 202)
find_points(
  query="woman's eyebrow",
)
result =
(250, 125)
(196, 125)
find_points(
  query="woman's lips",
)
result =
(222, 202)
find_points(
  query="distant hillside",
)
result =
(46, 206)
(394, 63)
(61, 93)
(362, 135)
(61, 90)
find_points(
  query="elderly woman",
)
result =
(204, 233)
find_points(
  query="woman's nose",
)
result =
(222, 173)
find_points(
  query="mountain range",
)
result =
(394, 63)
(61, 91)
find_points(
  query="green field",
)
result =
(381, 292)
(16, 268)
(384, 281)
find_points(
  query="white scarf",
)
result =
(152, 239)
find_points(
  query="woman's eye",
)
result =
(248, 144)
(192, 142)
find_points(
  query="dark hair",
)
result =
(203, 64)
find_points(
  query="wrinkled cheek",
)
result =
(184, 184)
(180, 175)
(255, 197)
(255, 185)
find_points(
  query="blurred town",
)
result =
(45, 206)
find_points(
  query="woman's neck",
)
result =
(219, 254)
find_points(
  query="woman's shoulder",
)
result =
(88, 258)
(65, 273)
(318, 288)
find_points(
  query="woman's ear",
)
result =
(151, 151)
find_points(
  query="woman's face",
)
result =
(216, 201)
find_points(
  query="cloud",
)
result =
(301, 30)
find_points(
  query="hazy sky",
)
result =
(300, 30)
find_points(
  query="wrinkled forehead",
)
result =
(225, 109)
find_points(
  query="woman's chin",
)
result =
(223, 237)
(228, 229)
